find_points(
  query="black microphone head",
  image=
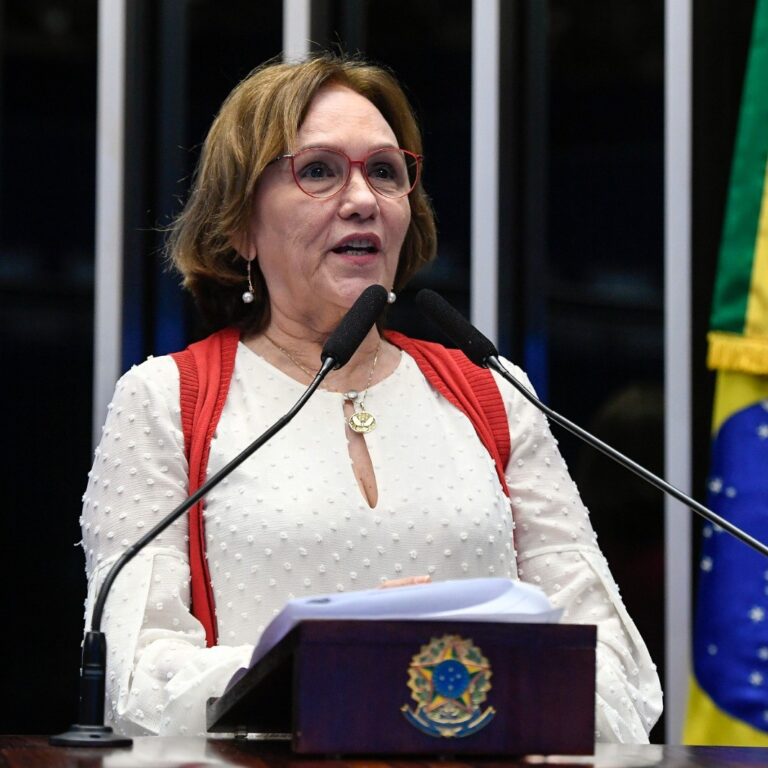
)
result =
(354, 326)
(456, 327)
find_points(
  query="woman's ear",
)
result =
(245, 245)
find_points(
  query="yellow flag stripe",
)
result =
(734, 391)
(757, 304)
(734, 352)
(707, 724)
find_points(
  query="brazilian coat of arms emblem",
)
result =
(449, 679)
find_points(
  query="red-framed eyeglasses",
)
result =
(322, 172)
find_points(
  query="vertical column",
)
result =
(484, 235)
(296, 29)
(677, 354)
(109, 205)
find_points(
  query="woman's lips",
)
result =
(359, 248)
(360, 258)
(358, 243)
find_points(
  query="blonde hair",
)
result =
(258, 121)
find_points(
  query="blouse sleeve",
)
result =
(159, 671)
(557, 550)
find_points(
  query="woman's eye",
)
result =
(382, 171)
(316, 170)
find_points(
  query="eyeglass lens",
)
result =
(323, 172)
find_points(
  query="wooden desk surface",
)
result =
(158, 752)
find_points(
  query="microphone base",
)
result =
(90, 736)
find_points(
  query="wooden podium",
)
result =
(420, 687)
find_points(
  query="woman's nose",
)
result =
(358, 197)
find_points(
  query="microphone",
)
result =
(90, 730)
(483, 353)
(354, 326)
(456, 327)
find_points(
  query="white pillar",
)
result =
(109, 206)
(296, 29)
(484, 234)
(677, 356)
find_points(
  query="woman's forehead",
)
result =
(338, 114)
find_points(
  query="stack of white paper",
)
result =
(500, 600)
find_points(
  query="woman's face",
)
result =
(305, 246)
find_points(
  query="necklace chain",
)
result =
(361, 421)
(289, 356)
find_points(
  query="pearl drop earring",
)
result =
(391, 297)
(248, 295)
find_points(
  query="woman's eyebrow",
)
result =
(340, 148)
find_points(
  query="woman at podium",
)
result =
(308, 191)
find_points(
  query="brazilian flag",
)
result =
(728, 702)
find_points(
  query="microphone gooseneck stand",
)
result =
(625, 461)
(481, 351)
(90, 730)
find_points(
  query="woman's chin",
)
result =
(347, 293)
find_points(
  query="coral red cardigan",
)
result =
(205, 371)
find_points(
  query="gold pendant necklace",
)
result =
(361, 421)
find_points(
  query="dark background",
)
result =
(581, 264)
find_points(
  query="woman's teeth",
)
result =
(355, 249)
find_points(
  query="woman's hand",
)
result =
(406, 582)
